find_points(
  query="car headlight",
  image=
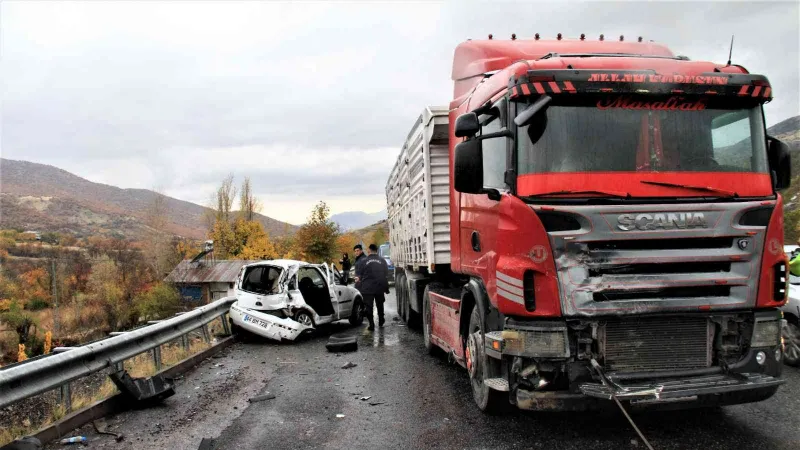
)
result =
(766, 333)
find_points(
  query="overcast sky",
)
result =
(311, 100)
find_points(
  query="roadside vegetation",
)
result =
(59, 290)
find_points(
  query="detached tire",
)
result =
(480, 367)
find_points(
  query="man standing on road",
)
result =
(359, 264)
(374, 280)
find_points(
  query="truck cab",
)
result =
(615, 228)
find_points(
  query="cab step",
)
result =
(498, 384)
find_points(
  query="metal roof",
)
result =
(222, 271)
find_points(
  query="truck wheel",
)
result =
(479, 367)
(427, 325)
(357, 316)
(399, 291)
(791, 339)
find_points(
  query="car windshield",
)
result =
(640, 134)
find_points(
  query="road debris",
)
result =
(376, 403)
(73, 440)
(342, 343)
(101, 427)
(363, 399)
(262, 397)
(25, 443)
(340, 416)
(349, 365)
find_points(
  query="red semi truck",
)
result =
(595, 219)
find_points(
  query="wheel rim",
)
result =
(791, 340)
(304, 319)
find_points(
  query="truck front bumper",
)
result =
(716, 390)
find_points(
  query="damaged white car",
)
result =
(282, 299)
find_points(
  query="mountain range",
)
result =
(45, 198)
(352, 220)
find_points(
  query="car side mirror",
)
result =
(467, 125)
(468, 167)
(780, 163)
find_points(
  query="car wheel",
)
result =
(427, 325)
(357, 316)
(304, 318)
(480, 367)
(791, 341)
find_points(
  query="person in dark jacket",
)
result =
(345, 262)
(374, 283)
(359, 263)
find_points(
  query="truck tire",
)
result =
(431, 348)
(399, 292)
(478, 366)
(791, 338)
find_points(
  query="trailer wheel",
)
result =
(427, 325)
(399, 291)
(479, 367)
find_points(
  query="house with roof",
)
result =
(206, 280)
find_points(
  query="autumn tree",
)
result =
(239, 235)
(249, 205)
(157, 248)
(316, 239)
(160, 301)
(379, 236)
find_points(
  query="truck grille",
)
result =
(656, 344)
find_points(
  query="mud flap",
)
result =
(267, 325)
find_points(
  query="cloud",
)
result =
(312, 103)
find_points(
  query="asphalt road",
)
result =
(415, 401)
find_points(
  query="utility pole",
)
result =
(55, 296)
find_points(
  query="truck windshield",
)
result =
(639, 134)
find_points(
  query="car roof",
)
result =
(282, 263)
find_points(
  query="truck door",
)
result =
(479, 213)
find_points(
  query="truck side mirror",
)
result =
(467, 125)
(468, 167)
(780, 163)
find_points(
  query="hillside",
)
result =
(46, 198)
(352, 220)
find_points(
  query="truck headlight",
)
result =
(534, 341)
(766, 333)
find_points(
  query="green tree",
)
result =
(159, 302)
(316, 239)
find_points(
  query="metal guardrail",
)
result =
(18, 382)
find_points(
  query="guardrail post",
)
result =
(65, 396)
(206, 335)
(120, 366)
(157, 358)
(226, 326)
(185, 342)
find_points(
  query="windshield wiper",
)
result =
(688, 186)
(592, 191)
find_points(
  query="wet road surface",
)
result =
(415, 401)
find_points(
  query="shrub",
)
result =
(160, 301)
(37, 304)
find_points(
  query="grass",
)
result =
(139, 366)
